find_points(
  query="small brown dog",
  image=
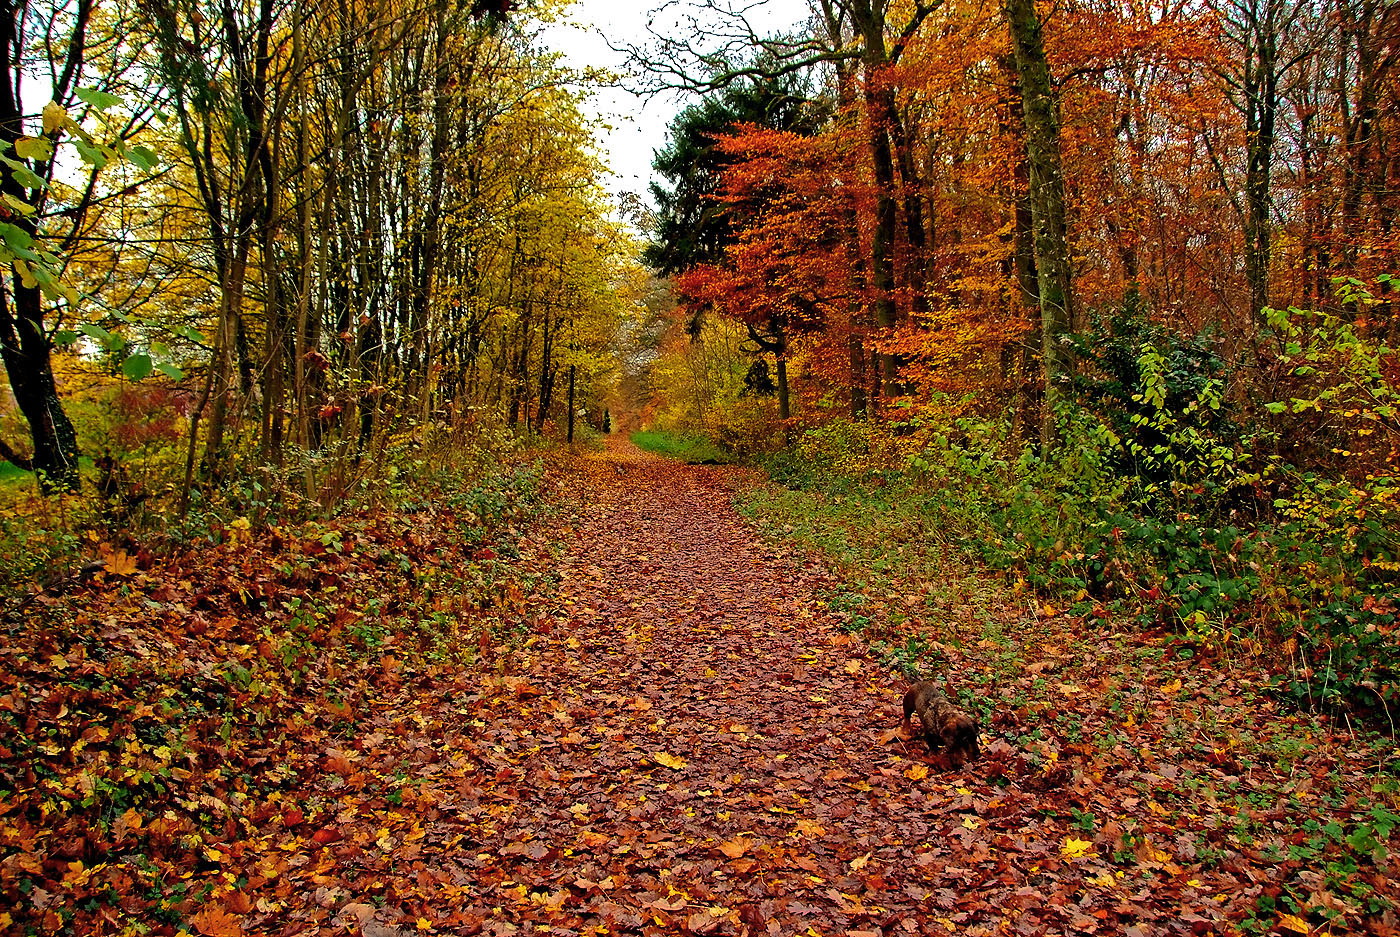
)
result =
(945, 725)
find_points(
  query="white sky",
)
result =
(638, 125)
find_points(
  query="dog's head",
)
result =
(959, 736)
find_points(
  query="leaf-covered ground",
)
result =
(690, 741)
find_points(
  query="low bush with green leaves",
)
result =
(1162, 500)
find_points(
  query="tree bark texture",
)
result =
(1054, 273)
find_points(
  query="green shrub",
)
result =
(1161, 395)
(1155, 499)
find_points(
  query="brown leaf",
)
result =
(736, 847)
(127, 823)
(328, 835)
(216, 922)
(372, 928)
(703, 922)
(355, 912)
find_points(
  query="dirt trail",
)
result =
(695, 747)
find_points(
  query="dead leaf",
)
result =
(736, 847)
(668, 761)
(672, 903)
(213, 921)
(1075, 848)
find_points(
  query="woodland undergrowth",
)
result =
(158, 706)
(1086, 692)
(1261, 530)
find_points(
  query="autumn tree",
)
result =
(68, 58)
(696, 227)
(692, 226)
(873, 33)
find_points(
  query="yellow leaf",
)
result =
(917, 773)
(121, 564)
(26, 276)
(33, 148)
(1172, 688)
(55, 117)
(971, 823)
(216, 922)
(859, 862)
(131, 820)
(1074, 848)
(1294, 923)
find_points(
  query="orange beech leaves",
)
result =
(787, 192)
(1154, 150)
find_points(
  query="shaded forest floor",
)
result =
(690, 739)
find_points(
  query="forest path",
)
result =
(716, 754)
(694, 747)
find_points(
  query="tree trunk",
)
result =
(858, 376)
(916, 265)
(571, 404)
(24, 344)
(547, 374)
(880, 110)
(1261, 94)
(1054, 277)
(26, 350)
(780, 356)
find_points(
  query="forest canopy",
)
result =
(291, 234)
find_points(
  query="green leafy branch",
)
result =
(23, 248)
(1351, 374)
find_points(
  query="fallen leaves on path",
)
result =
(688, 743)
